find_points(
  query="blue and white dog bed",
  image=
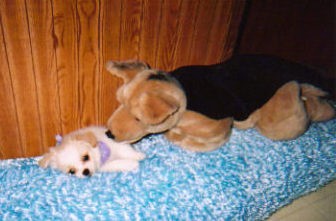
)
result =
(248, 178)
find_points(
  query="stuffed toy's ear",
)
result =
(47, 159)
(310, 90)
(88, 137)
(127, 69)
(154, 109)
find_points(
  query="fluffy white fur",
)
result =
(78, 154)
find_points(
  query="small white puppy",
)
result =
(85, 151)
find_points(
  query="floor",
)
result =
(317, 206)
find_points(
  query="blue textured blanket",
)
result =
(247, 179)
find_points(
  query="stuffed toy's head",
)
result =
(150, 101)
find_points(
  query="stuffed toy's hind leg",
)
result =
(283, 117)
(197, 132)
(318, 109)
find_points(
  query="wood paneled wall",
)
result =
(299, 30)
(52, 56)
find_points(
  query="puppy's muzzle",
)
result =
(109, 134)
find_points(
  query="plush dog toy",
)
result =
(196, 106)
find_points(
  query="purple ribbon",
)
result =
(105, 152)
(59, 139)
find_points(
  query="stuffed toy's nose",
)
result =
(109, 134)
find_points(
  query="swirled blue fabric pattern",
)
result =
(248, 178)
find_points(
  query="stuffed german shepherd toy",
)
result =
(196, 106)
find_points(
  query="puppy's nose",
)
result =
(86, 172)
(109, 134)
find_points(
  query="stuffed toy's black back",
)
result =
(242, 84)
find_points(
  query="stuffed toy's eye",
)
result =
(72, 171)
(86, 157)
(137, 119)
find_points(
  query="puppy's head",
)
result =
(150, 102)
(76, 155)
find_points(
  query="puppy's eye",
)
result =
(137, 119)
(72, 171)
(86, 157)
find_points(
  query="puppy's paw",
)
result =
(139, 156)
(120, 166)
(131, 166)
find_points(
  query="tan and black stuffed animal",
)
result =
(196, 106)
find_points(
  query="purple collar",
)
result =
(105, 152)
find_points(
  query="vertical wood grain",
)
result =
(66, 43)
(203, 26)
(17, 40)
(10, 139)
(130, 25)
(40, 24)
(150, 27)
(109, 29)
(233, 26)
(221, 21)
(88, 61)
(168, 34)
(186, 28)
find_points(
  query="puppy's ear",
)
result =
(154, 108)
(88, 137)
(47, 159)
(126, 69)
